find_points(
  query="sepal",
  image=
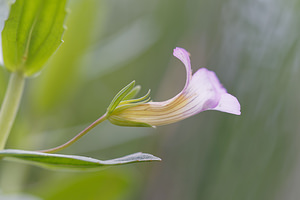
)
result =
(119, 97)
(123, 101)
(122, 122)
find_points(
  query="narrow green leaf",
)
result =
(119, 97)
(32, 33)
(72, 162)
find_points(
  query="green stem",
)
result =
(77, 137)
(10, 105)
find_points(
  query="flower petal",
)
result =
(210, 94)
(229, 104)
(184, 56)
(202, 91)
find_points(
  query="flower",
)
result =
(202, 91)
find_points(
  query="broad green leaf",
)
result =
(4, 8)
(73, 162)
(119, 97)
(32, 33)
(62, 76)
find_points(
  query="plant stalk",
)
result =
(10, 105)
(77, 137)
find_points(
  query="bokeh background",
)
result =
(252, 45)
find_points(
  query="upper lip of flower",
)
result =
(202, 91)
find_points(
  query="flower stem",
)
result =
(10, 105)
(77, 137)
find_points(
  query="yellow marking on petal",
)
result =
(158, 113)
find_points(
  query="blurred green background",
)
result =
(252, 45)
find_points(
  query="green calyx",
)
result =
(119, 97)
(122, 101)
(122, 122)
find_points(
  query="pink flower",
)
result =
(202, 91)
